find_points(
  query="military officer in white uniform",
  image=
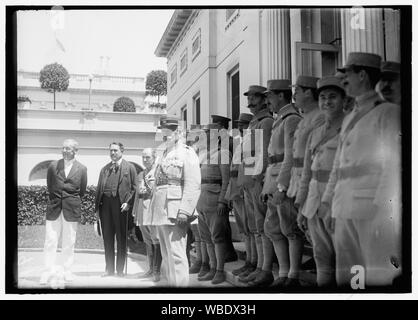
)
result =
(361, 189)
(175, 195)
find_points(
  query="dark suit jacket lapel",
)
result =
(74, 169)
(122, 169)
(60, 168)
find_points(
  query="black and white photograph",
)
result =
(224, 149)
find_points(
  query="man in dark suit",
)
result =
(114, 198)
(66, 182)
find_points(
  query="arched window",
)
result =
(40, 170)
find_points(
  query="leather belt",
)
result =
(357, 171)
(298, 162)
(163, 182)
(211, 181)
(276, 158)
(321, 175)
(233, 174)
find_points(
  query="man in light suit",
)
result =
(175, 195)
(362, 188)
(114, 197)
(66, 182)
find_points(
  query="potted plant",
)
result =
(23, 102)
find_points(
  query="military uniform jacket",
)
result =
(65, 192)
(179, 167)
(255, 166)
(213, 169)
(373, 143)
(311, 120)
(141, 207)
(281, 142)
(234, 190)
(319, 157)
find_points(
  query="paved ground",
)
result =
(88, 267)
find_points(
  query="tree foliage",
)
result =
(54, 77)
(156, 83)
(124, 104)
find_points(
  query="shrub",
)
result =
(23, 98)
(32, 202)
(124, 104)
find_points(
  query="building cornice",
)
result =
(172, 31)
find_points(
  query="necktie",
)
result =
(114, 167)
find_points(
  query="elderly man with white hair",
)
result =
(66, 182)
(143, 215)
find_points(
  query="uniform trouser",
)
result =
(149, 234)
(323, 251)
(367, 244)
(113, 223)
(287, 214)
(173, 242)
(52, 234)
(240, 216)
(258, 210)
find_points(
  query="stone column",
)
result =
(362, 30)
(278, 44)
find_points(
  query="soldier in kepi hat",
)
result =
(255, 164)
(202, 259)
(362, 190)
(235, 194)
(212, 205)
(389, 85)
(279, 96)
(319, 156)
(306, 99)
(175, 194)
(230, 255)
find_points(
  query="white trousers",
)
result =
(52, 235)
(173, 240)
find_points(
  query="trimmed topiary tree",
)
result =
(124, 104)
(156, 83)
(54, 78)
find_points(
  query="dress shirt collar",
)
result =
(69, 162)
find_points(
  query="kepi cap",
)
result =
(362, 59)
(306, 82)
(244, 118)
(168, 122)
(221, 120)
(329, 81)
(390, 67)
(255, 90)
(278, 84)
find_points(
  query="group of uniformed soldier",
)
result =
(324, 170)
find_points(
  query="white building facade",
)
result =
(213, 55)
(86, 92)
(41, 130)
